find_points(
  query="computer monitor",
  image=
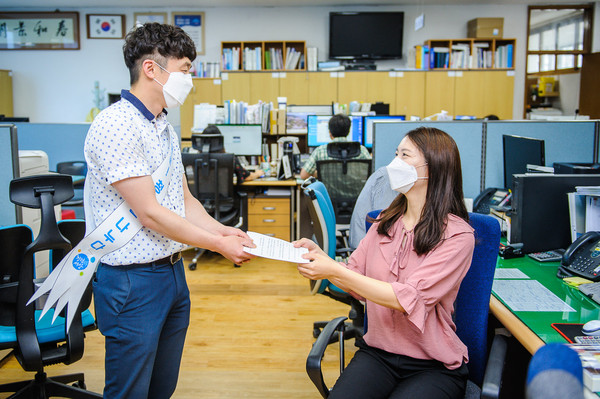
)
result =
(208, 142)
(540, 209)
(518, 152)
(242, 139)
(318, 130)
(370, 120)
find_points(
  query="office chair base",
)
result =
(45, 387)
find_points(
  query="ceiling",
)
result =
(44, 4)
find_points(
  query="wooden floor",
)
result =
(250, 332)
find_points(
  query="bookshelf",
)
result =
(263, 56)
(467, 54)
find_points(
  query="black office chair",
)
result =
(40, 343)
(344, 176)
(213, 186)
(74, 168)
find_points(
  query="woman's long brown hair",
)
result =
(444, 190)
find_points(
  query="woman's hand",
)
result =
(320, 267)
(310, 245)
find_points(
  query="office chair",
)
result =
(213, 186)
(323, 219)
(74, 168)
(470, 317)
(555, 372)
(344, 176)
(39, 343)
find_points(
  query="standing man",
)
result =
(141, 297)
(339, 127)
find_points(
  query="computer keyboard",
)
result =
(588, 339)
(547, 256)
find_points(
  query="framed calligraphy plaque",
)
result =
(39, 30)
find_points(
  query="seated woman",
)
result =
(241, 173)
(408, 269)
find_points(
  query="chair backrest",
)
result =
(213, 181)
(555, 372)
(344, 180)
(343, 149)
(74, 168)
(208, 142)
(473, 299)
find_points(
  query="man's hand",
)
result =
(232, 247)
(232, 231)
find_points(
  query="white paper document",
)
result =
(529, 296)
(509, 273)
(275, 248)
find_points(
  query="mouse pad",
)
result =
(568, 330)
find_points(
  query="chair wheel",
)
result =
(192, 266)
(80, 384)
(236, 265)
(316, 332)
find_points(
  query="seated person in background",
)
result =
(376, 194)
(408, 269)
(241, 173)
(339, 127)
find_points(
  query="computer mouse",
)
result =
(591, 328)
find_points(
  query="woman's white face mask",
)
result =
(177, 87)
(402, 176)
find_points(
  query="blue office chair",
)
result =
(555, 372)
(470, 317)
(323, 218)
(40, 343)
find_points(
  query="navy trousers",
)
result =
(143, 313)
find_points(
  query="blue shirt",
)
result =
(127, 140)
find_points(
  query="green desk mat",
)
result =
(540, 322)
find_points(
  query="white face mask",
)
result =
(177, 87)
(402, 176)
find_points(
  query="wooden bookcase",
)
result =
(464, 54)
(266, 63)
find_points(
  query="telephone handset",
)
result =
(582, 258)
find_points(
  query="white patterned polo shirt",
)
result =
(127, 140)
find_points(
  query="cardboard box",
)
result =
(485, 28)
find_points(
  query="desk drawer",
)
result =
(265, 220)
(274, 231)
(269, 206)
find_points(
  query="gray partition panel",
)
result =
(9, 169)
(61, 141)
(571, 141)
(466, 134)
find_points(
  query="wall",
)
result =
(56, 86)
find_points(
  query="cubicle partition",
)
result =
(9, 169)
(480, 145)
(468, 137)
(572, 141)
(60, 141)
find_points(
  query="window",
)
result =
(558, 36)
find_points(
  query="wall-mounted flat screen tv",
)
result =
(365, 35)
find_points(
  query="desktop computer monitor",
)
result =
(540, 209)
(518, 152)
(318, 130)
(242, 139)
(370, 120)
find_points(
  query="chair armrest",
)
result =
(492, 379)
(243, 221)
(313, 361)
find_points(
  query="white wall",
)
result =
(56, 86)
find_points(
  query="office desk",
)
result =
(533, 329)
(268, 207)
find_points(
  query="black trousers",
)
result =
(374, 373)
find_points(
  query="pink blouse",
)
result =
(426, 286)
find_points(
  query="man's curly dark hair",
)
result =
(157, 42)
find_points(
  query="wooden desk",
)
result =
(533, 329)
(267, 208)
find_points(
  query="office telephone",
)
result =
(490, 197)
(582, 258)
